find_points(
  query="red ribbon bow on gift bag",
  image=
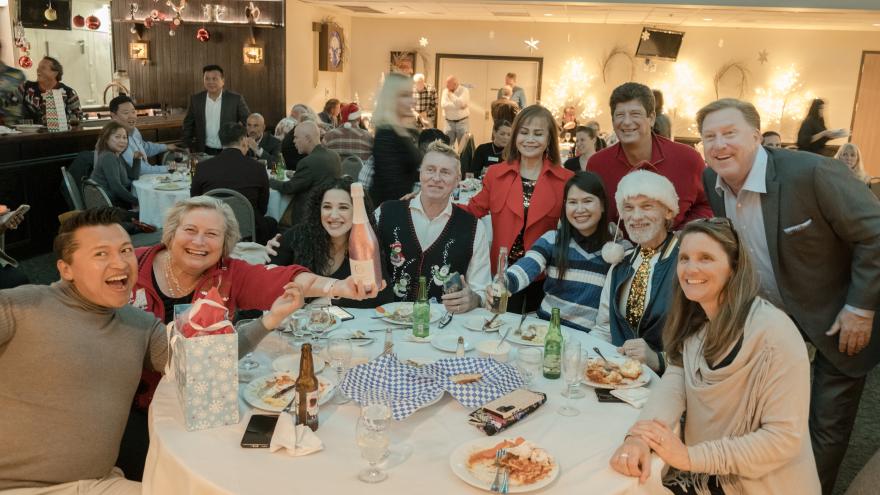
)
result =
(208, 316)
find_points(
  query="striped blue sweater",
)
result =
(576, 295)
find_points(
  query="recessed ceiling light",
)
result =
(707, 19)
(402, 13)
(548, 15)
(876, 24)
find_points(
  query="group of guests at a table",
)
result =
(720, 309)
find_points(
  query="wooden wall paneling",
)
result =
(866, 113)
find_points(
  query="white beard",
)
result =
(647, 235)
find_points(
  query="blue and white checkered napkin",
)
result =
(498, 379)
(386, 379)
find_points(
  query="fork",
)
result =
(446, 320)
(499, 472)
(505, 480)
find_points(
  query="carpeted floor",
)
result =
(865, 439)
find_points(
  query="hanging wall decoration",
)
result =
(203, 35)
(739, 70)
(79, 21)
(50, 13)
(618, 51)
(331, 47)
(252, 13)
(92, 22)
(23, 45)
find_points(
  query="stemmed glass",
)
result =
(572, 364)
(339, 350)
(319, 320)
(248, 362)
(373, 440)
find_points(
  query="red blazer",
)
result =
(502, 196)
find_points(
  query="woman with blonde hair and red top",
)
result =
(524, 194)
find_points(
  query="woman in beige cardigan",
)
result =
(739, 368)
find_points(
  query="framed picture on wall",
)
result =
(403, 63)
(331, 46)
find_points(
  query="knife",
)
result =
(488, 323)
(278, 394)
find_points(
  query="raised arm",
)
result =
(528, 268)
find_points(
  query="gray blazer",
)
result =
(232, 109)
(823, 233)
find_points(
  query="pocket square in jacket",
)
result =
(797, 228)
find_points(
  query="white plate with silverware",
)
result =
(400, 313)
(530, 467)
(273, 392)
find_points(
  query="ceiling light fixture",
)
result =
(707, 19)
(548, 15)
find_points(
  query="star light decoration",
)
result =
(784, 100)
(762, 56)
(683, 90)
(572, 89)
(423, 42)
(532, 44)
(646, 35)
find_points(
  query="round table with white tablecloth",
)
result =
(154, 203)
(211, 461)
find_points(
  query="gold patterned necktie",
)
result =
(635, 303)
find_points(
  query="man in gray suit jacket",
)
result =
(209, 110)
(814, 232)
(320, 165)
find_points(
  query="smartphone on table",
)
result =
(258, 434)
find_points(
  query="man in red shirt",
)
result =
(632, 115)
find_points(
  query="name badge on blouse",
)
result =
(494, 159)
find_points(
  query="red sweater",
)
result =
(679, 163)
(502, 196)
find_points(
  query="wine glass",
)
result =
(297, 326)
(572, 363)
(567, 137)
(339, 350)
(529, 361)
(319, 320)
(373, 440)
(248, 362)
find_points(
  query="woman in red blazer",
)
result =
(524, 194)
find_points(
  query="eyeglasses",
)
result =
(724, 221)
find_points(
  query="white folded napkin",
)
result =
(295, 440)
(636, 397)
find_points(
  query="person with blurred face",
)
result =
(813, 230)
(350, 138)
(455, 101)
(427, 236)
(396, 156)
(636, 294)
(584, 148)
(491, 153)
(504, 108)
(771, 139)
(517, 94)
(209, 110)
(98, 345)
(850, 155)
(110, 171)
(632, 115)
(261, 145)
(524, 195)
(424, 102)
(49, 75)
(122, 110)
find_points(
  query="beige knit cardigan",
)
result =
(747, 422)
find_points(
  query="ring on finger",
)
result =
(624, 455)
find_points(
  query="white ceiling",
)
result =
(604, 13)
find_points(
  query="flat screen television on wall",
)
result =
(33, 14)
(659, 43)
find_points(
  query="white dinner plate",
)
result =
(449, 343)
(390, 308)
(476, 323)
(290, 363)
(458, 462)
(537, 342)
(170, 186)
(641, 381)
(258, 393)
(347, 334)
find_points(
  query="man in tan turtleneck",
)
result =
(71, 356)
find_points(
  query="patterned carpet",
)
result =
(864, 442)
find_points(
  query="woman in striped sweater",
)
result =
(571, 256)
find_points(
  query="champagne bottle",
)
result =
(553, 347)
(363, 246)
(421, 315)
(498, 304)
(306, 387)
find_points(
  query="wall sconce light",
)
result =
(252, 53)
(139, 50)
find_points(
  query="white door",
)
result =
(483, 78)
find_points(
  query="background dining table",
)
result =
(212, 462)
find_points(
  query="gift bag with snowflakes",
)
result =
(206, 371)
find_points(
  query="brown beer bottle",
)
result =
(307, 390)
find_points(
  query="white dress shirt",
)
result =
(478, 274)
(212, 121)
(455, 105)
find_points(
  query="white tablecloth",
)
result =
(212, 462)
(154, 203)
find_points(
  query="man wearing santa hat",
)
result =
(350, 138)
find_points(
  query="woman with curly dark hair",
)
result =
(320, 242)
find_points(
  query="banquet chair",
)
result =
(241, 207)
(72, 194)
(875, 186)
(466, 155)
(351, 166)
(94, 195)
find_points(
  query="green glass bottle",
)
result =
(280, 169)
(421, 315)
(553, 347)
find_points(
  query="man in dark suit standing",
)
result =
(320, 165)
(231, 169)
(814, 233)
(209, 110)
(261, 144)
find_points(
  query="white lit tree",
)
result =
(784, 102)
(572, 89)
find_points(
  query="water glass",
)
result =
(339, 350)
(529, 361)
(572, 366)
(319, 321)
(298, 326)
(373, 440)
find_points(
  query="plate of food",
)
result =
(273, 392)
(531, 467)
(400, 313)
(170, 186)
(478, 323)
(449, 343)
(616, 374)
(356, 337)
(290, 363)
(531, 333)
